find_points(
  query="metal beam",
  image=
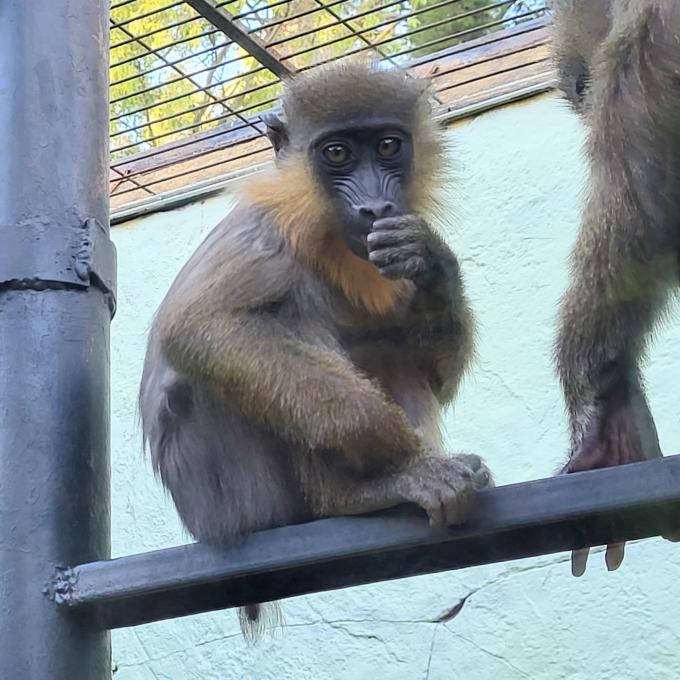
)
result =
(520, 520)
(57, 278)
(222, 20)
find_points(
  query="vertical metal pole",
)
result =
(56, 294)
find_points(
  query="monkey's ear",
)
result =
(277, 132)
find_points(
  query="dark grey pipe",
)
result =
(57, 274)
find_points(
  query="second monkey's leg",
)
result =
(624, 265)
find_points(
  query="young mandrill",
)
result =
(298, 366)
(619, 65)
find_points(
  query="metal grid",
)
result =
(189, 79)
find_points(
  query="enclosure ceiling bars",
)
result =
(190, 79)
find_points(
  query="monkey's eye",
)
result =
(389, 146)
(336, 153)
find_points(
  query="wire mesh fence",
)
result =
(189, 79)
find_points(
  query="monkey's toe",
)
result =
(482, 479)
(470, 460)
(481, 475)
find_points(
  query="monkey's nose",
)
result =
(376, 208)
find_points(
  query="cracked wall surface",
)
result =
(519, 176)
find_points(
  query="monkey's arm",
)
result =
(288, 375)
(439, 324)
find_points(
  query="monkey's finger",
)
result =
(436, 511)
(382, 257)
(386, 256)
(614, 556)
(393, 222)
(579, 559)
(393, 271)
(381, 238)
(458, 508)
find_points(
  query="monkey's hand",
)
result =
(616, 429)
(446, 488)
(405, 247)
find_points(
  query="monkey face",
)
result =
(364, 168)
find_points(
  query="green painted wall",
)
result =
(519, 176)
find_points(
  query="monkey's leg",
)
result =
(625, 260)
(297, 382)
(444, 487)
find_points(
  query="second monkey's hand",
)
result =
(405, 247)
(616, 429)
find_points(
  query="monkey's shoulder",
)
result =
(242, 257)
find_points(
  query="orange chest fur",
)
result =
(360, 282)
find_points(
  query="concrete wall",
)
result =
(519, 175)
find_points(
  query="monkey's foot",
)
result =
(445, 487)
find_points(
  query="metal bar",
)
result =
(205, 166)
(257, 10)
(402, 36)
(192, 140)
(222, 20)
(191, 126)
(486, 76)
(498, 39)
(122, 3)
(182, 196)
(481, 50)
(162, 29)
(424, 46)
(57, 275)
(170, 63)
(146, 15)
(163, 46)
(346, 22)
(516, 521)
(168, 100)
(296, 15)
(381, 24)
(173, 65)
(194, 83)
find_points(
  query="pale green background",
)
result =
(519, 177)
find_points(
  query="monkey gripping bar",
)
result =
(515, 521)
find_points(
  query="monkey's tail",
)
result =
(255, 619)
